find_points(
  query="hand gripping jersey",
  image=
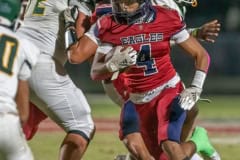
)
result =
(17, 57)
(151, 40)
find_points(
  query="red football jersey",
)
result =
(151, 41)
(100, 10)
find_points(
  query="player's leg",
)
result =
(189, 123)
(68, 147)
(130, 132)
(130, 127)
(171, 143)
(171, 118)
(13, 144)
(204, 146)
(172, 130)
(188, 127)
(66, 105)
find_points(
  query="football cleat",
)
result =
(123, 157)
(203, 145)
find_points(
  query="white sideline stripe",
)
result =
(225, 140)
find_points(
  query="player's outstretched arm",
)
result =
(207, 32)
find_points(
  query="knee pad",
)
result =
(176, 120)
(129, 119)
(175, 110)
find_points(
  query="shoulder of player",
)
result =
(105, 20)
(7, 31)
(165, 8)
(103, 6)
(103, 9)
(167, 11)
(105, 17)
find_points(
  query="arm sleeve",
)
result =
(29, 54)
(25, 71)
(180, 36)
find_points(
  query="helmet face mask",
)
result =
(130, 11)
(187, 2)
(10, 10)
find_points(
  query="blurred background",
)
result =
(224, 72)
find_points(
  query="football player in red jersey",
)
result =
(157, 98)
(207, 32)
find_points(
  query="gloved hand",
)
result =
(70, 16)
(189, 96)
(122, 57)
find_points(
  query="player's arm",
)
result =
(22, 96)
(82, 50)
(109, 64)
(99, 69)
(195, 49)
(112, 92)
(22, 100)
(192, 94)
(207, 32)
(79, 46)
(29, 54)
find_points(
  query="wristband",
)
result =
(70, 38)
(194, 32)
(115, 75)
(198, 79)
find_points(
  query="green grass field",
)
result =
(106, 145)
